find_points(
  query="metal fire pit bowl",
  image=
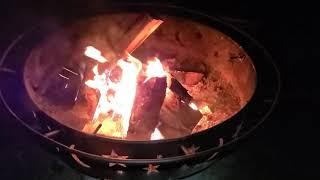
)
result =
(175, 158)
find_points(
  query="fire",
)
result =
(116, 99)
(126, 90)
(100, 82)
(95, 54)
(115, 108)
(155, 69)
(193, 106)
(205, 110)
(156, 135)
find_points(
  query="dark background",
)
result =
(285, 147)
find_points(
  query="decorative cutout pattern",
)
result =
(114, 155)
(189, 151)
(216, 153)
(152, 169)
(75, 157)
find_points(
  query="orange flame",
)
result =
(126, 90)
(205, 110)
(156, 135)
(193, 106)
(117, 98)
(94, 54)
(155, 69)
(120, 103)
(100, 83)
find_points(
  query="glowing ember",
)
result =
(193, 106)
(100, 83)
(95, 54)
(116, 99)
(126, 90)
(156, 135)
(115, 108)
(204, 121)
(155, 69)
(205, 110)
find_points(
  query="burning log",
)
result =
(177, 119)
(179, 79)
(187, 78)
(180, 91)
(151, 94)
(142, 28)
(145, 114)
(92, 98)
(134, 36)
(91, 127)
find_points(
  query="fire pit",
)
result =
(143, 93)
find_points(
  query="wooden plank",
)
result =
(177, 119)
(145, 114)
(137, 33)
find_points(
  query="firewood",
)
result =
(105, 126)
(91, 127)
(177, 119)
(133, 37)
(91, 97)
(145, 114)
(180, 91)
(142, 28)
(187, 78)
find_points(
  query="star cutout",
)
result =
(189, 151)
(151, 169)
(220, 142)
(216, 153)
(235, 135)
(75, 157)
(114, 155)
(120, 172)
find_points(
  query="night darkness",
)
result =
(286, 146)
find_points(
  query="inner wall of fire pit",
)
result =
(214, 69)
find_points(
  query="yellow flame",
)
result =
(154, 69)
(121, 102)
(116, 100)
(126, 90)
(100, 83)
(156, 135)
(193, 106)
(94, 54)
(205, 110)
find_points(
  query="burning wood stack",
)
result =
(132, 100)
